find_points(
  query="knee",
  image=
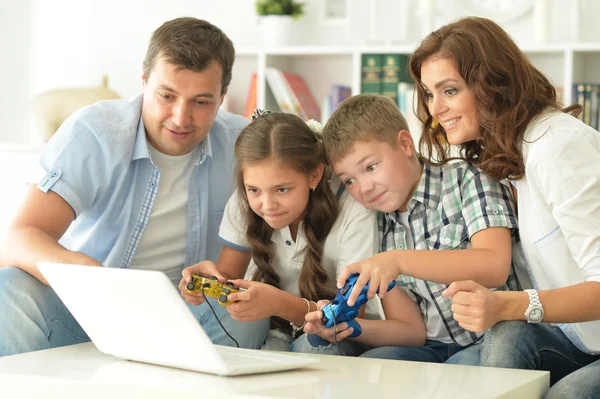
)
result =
(583, 383)
(507, 345)
(16, 283)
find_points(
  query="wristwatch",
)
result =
(535, 311)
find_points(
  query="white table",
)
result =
(81, 371)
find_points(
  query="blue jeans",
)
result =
(517, 344)
(432, 351)
(34, 318)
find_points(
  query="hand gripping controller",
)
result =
(338, 310)
(212, 288)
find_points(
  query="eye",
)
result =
(283, 190)
(165, 95)
(201, 102)
(450, 92)
(348, 182)
(252, 190)
(428, 96)
(371, 167)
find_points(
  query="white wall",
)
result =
(14, 70)
(61, 43)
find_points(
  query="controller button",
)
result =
(345, 289)
(223, 298)
(213, 277)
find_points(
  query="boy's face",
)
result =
(380, 176)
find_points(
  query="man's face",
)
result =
(180, 106)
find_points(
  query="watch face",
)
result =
(536, 314)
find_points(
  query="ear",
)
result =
(144, 77)
(316, 175)
(405, 142)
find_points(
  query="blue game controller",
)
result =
(338, 310)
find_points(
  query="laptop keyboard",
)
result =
(234, 357)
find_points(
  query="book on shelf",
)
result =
(394, 71)
(251, 100)
(337, 94)
(370, 74)
(588, 96)
(305, 104)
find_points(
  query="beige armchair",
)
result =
(51, 108)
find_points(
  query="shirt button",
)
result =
(401, 247)
(570, 331)
(288, 242)
(495, 211)
(446, 240)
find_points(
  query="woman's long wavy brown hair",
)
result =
(509, 92)
(286, 138)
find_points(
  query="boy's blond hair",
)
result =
(363, 117)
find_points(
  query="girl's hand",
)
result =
(380, 270)
(258, 302)
(315, 326)
(205, 268)
(475, 307)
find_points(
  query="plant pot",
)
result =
(277, 30)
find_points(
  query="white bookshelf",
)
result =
(322, 66)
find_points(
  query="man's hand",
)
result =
(475, 307)
(378, 269)
(314, 325)
(259, 301)
(205, 268)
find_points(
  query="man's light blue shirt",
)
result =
(98, 161)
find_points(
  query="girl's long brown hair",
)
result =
(509, 92)
(286, 138)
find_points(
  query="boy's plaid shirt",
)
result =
(450, 204)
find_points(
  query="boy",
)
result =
(424, 209)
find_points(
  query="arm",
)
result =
(491, 248)
(34, 233)
(476, 308)
(404, 325)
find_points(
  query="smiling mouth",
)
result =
(449, 124)
(376, 198)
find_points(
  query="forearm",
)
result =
(390, 333)
(573, 304)
(293, 308)
(481, 265)
(26, 246)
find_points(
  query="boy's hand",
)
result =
(315, 326)
(205, 268)
(380, 270)
(475, 307)
(257, 302)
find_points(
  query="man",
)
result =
(137, 184)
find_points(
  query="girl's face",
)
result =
(449, 99)
(278, 193)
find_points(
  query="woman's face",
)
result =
(450, 101)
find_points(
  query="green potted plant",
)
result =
(276, 19)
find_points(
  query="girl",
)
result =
(286, 234)
(477, 90)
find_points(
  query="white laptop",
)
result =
(139, 315)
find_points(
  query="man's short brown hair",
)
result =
(192, 44)
(363, 117)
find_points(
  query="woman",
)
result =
(478, 91)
